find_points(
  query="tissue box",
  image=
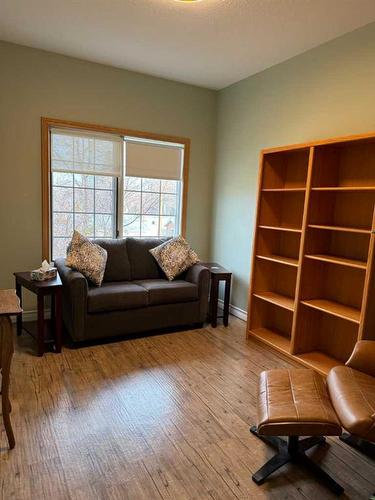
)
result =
(40, 275)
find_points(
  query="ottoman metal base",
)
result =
(362, 445)
(293, 450)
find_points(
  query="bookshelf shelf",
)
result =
(280, 259)
(342, 261)
(334, 308)
(276, 299)
(341, 228)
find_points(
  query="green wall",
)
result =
(325, 92)
(35, 83)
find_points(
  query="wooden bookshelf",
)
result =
(312, 291)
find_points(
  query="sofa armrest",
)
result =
(200, 276)
(363, 357)
(75, 288)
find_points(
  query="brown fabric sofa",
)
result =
(135, 295)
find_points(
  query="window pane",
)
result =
(104, 226)
(62, 224)
(169, 186)
(83, 200)
(167, 226)
(151, 185)
(59, 246)
(150, 203)
(102, 182)
(150, 225)
(62, 199)
(104, 202)
(83, 181)
(133, 183)
(132, 203)
(62, 147)
(62, 179)
(132, 225)
(84, 223)
(168, 204)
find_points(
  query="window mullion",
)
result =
(120, 196)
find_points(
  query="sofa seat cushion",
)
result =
(115, 296)
(161, 291)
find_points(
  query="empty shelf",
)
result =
(284, 190)
(334, 308)
(359, 264)
(341, 228)
(273, 338)
(318, 361)
(282, 228)
(280, 259)
(277, 299)
(344, 189)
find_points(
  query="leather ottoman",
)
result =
(294, 403)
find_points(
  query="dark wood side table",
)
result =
(218, 273)
(43, 333)
(9, 306)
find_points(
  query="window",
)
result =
(83, 202)
(107, 186)
(151, 207)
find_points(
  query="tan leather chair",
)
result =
(352, 392)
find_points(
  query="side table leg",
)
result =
(40, 340)
(19, 316)
(226, 301)
(58, 320)
(7, 349)
(213, 300)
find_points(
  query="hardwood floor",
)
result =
(162, 417)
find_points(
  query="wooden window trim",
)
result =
(48, 123)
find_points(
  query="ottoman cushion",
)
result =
(295, 402)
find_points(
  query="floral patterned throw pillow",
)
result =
(87, 258)
(174, 256)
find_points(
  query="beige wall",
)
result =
(34, 83)
(328, 91)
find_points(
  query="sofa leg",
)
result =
(293, 450)
(359, 444)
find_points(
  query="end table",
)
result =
(43, 334)
(218, 273)
(9, 306)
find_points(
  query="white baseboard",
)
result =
(32, 315)
(234, 310)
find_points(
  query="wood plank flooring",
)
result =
(162, 417)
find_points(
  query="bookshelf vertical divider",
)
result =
(302, 249)
(312, 288)
(368, 305)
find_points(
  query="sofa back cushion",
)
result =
(142, 263)
(118, 265)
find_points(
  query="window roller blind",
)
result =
(155, 161)
(83, 152)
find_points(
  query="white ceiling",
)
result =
(211, 43)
